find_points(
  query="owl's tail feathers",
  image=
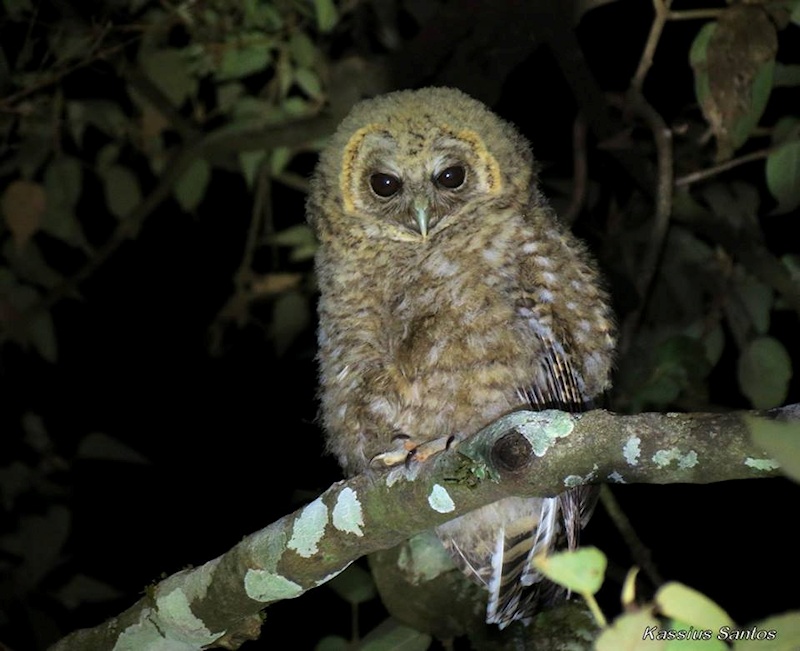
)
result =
(515, 589)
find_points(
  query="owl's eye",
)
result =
(452, 177)
(385, 185)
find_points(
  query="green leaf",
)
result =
(713, 339)
(760, 91)
(34, 150)
(42, 335)
(309, 82)
(580, 570)
(786, 74)
(76, 121)
(38, 541)
(103, 114)
(62, 180)
(682, 603)
(764, 370)
(780, 440)
(250, 161)
(122, 191)
(783, 176)
(326, 15)
(228, 94)
(757, 300)
(279, 159)
(698, 59)
(631, 632)
(36, 435)
(300, 238)
(698, 51)
(106, 157)
(16, 9)
(241, 60)
(250, 109)
(295, 106)
(693, 638)
(69, 40)
(302, 49)
(62, 223)
(102, 446)
(297, 235)
(795, 16)
(302, 253)
(284, 72)
(23, 205)
(737, 202)
(392, 636)
(16, 479)
(168, 70)
(82, 589)
(40, 332)
(777, 633)
(423, 557)
(354, 585)
(262, 15)
(291, 316)
(191, 187)
(333, 643)
(29, 265)
(787, 128)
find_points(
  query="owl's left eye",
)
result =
(452, 178)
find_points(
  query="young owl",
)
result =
(450, 296)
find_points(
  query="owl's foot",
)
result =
(406, 451)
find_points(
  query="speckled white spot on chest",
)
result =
(440, 265)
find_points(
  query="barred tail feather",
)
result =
(513, 587)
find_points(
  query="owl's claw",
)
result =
(408, 452)
(404, 448)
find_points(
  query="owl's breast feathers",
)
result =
(449, 334)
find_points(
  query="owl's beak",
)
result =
(421, 210)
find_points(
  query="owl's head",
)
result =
(409, 164)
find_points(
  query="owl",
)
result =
(451, 295)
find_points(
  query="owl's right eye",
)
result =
(385, 185)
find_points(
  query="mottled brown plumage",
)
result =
(451, 295)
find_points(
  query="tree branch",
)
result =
(524, 453)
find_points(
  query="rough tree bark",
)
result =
(219, 604)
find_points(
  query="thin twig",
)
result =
(580, 169)
(694, 14)
(7, 103)
(703, 174)
(663, 209)
(236, 307)
(640, 552)
(143, 85)
(661, 8)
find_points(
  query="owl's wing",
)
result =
(516, 591)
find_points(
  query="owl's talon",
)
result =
(404, 447)
(388, 459)
(408, 452)
(425, 451)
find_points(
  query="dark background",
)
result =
(230, 438)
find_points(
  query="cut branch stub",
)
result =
(512, 452)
